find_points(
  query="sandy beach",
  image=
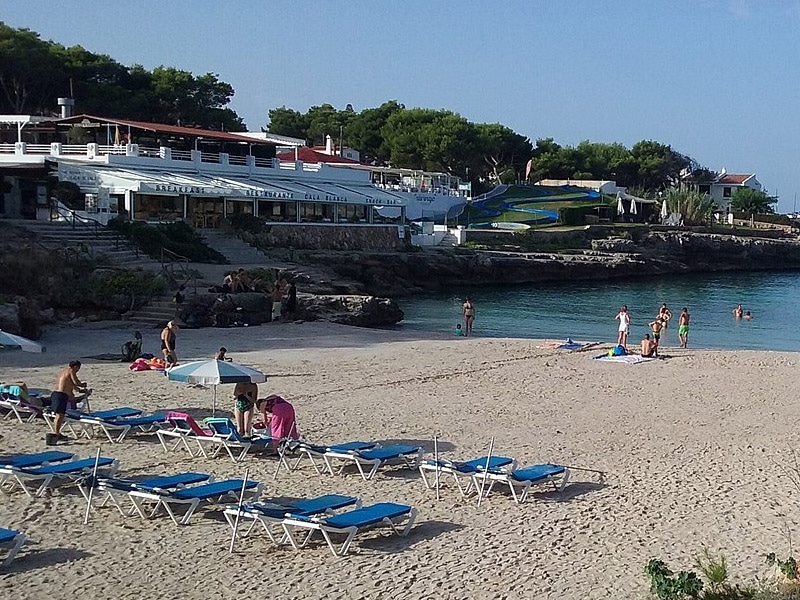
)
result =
(691, 447)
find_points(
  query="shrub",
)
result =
(176, 237)
(247, 222)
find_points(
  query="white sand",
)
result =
(691, 447)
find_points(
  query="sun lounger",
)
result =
(520, 481)
(271, 514)
(349, 524)
(112, 487)
(374, 458)
(314, 453)
(119, 427)
(12, 400)
(35, 459)
(71, 472)
(80, 418)
(182, 428)
(13, 540)
(193, 496)
(227, 438)
(463, 470)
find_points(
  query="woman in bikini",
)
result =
(469, 316)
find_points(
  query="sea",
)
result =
(585, 311)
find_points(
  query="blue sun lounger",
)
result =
(460, 470)
(226, 437)
(375, 458)
(112, 486)
(270, 514)
(13, 540)
(313, 452)
(520, 481)
(349, 524)
(119, 426)
(35, 459)
(71, 472)
(193, 496)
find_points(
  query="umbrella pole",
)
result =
(239, 509)
(486, 470)
(91, 489)
(436, 462)
(214, 403)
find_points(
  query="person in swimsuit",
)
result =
(656, 327)
(738, 312)
(648, 347)
(168, 344)
(245, 395)
(624, 319)
(64, 394)
(683, 328)
(665, 314)
(468, 310)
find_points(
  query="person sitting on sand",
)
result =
(280, 415)
(245, 395)
(222, 354)
(648, 347)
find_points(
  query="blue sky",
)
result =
(718, 80)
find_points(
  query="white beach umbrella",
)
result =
(17, 342)
(620, 207)
(633, 208)
(214, 372)
(664, 210)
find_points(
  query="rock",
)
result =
(9, 318)
(360, 311)
(202, 310)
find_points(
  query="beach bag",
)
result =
(617, 351)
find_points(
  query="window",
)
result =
(726, 192)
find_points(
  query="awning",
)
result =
(90, 178)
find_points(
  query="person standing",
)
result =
(683, 328)
(468, 309)
(665, 314)
(290, 302)
(738, 312)
(624, 319)
(168, 339)
(244, 394)
(656, 327)
(63, 397)
(279, 414)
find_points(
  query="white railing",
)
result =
(6, 148)
(181, 155)
(266, 163)
(209, 157)
(74, 149)
(237, 160)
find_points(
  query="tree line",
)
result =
(35, 72)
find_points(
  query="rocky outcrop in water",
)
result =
(658, 252)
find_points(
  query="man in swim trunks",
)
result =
(683, 327)
(656, 327)
(245, 395)
(64, 394)
(624, 319)
(648, 347)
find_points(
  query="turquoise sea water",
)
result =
(585, 310)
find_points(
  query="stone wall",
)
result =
(367, 238)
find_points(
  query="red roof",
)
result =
(732, 179)
(164, 128)
(309, 155)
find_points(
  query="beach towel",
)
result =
(631, 359)
(152, 364)
(567, 345)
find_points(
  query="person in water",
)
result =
(459, 332)
(468, 309)
(683, 327)
(648, 347)
(738, 312)
(747, 316)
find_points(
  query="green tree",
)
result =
(289, 122)
(363, 131)
(30, 74)
(505, 153)
(659, 165)
(752, 202)
(695, 208)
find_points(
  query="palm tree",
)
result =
(752, 202)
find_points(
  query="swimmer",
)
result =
(747, 316)
(737, 312)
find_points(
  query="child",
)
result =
(459, 332)
(221, 354)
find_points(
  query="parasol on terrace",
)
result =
(214, 372)
(664, 210)
(620, 207)
(633, 208)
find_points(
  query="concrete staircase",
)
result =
(448, 240)
(100, 241)
(235, 250)
(155, 313)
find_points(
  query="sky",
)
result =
(718, 80)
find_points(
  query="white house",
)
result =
(722, 187)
